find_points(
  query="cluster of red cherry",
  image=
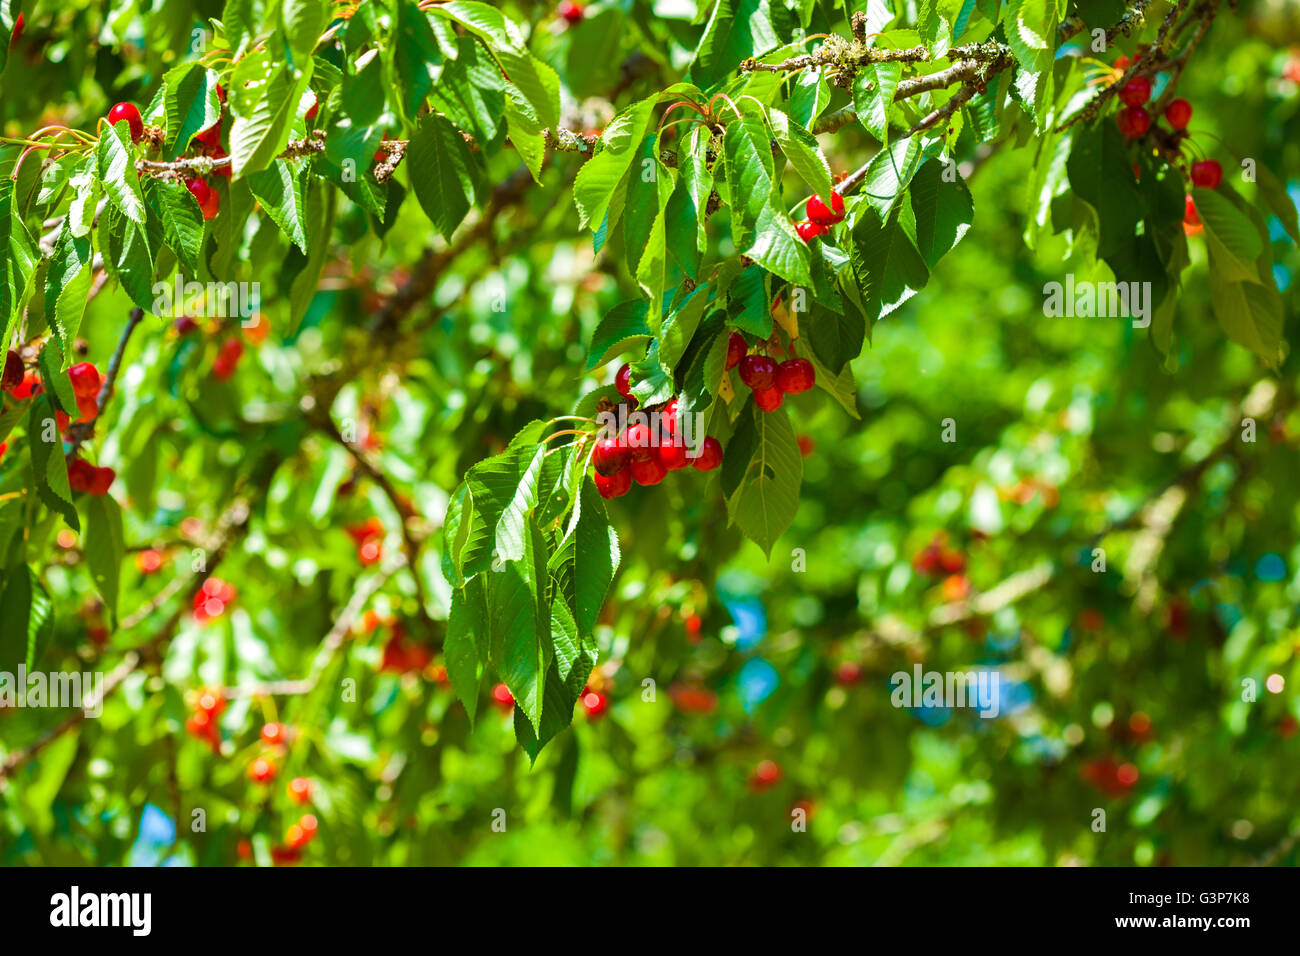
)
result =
(770, 382)
(210, 601)
(820, 216)
(638, 454)
(208, 142)
(369, 539)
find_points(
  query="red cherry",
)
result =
(736, 349)
(312, 110)
(85, 380)
(1178, 114)
(1136, 91)
(795, 376)
(149, 561)
(1207, 174)
(13, 371)
(1133, 121)
(571, 12)
(623, 380)
(767, 774)
(299, 790)
(18, 30)
(101, 481)
(650, 471)
(370, 552)
(757, 371)
(1190, 216)
(710, 456)
(129, 113)
(1122, 63)
(819, 214)
(29, 386)
(501, 694)
(211, 702)
(639, 442)
(670, 416)
(806, 445)
(768, 399)
(273, 734)
(672, 455)
(262, 770)
(301, 833)
(212, 206)
(609, 457)
(81, 474)
(594, 703)
(615, 485)
(808, 231)
(210, 138)
(849, 672)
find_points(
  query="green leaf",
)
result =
(1101, 174)
(67, 285)
(1233, 241)
(679, 327)
(885, 262)
(445, 174)
(104, 547)
(748, 305)
(465, 648)
(736, 30)
(873, 96)
(190, 104)
(280, 190)
(415, 52)
(519, 624)
(48, 464)
(28, 613)
(84, 184)
(182, 220)
(127, 256)
(56, 381)
(803, 152)
(778, 248)
(17, 263)
(942, 207)
(601, 175)
(263, 112)
(117, 173)
(1250, 313)
(303, 21)
(622, 327)
(496, 484)
(764, 504)
(747, 149)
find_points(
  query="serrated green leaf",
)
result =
(104, 547)
(446, 176)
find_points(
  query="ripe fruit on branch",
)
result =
(736, 349)
(209, 138)
(13, 371)
(672, 455)
(29, 386)
(594, 703)
(203, 725)
(102, 481)
(212, 598)
(757, 371)
(1133, 122)
(1178, 114)
(262, 770)
(209, 199)
(623, 380)
(795, 376)
(502, 697)
(571, 12)
(638, 442)
(615, 485)
(299, 790)
(609, 457)
(129, 113)
(1190, 216)
(671, 414)
(808, 231)
(1122, 63)
(710, 456)
(301, 833)
(18, 31)
(223, 367)
(765, 776)
(1136, 91)
(1207, 174)
(649, 471)
(820, 214)
(312, 110)
(274, 734)
(149, 561)
(85, 380)
(768, 399)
